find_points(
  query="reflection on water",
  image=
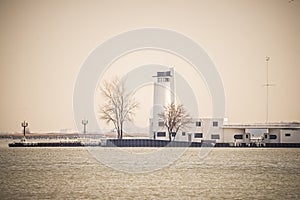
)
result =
(69, 173)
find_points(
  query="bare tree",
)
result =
(175, 118)
(119, 106)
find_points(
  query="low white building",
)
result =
(199, 130)
(262, 133)
(208, 129)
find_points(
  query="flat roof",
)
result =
(295, 125)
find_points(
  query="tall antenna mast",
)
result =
(267, 85)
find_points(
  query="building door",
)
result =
(190, 137)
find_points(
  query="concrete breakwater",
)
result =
(144, 143)
(110, 143)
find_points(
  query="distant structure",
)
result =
(84, 122)
(24, 125)
(217, 130)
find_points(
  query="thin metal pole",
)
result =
(24, 129)
(267, 89)
(24, 125)
(267, 85)
(84, 122)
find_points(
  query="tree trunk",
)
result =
(118, 131)
(121, 131)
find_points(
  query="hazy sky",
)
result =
(43, 44)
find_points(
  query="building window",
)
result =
(266, 136)
(238, 137)
(215, 136)
(198, 135)
(215, 123)
(160, 123)
(167, 79)
(161, 134)
(183, 133)
(198, 123)
(273, 137)
(287, 135)
(247, 136)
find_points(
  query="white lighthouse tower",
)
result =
(164, 94)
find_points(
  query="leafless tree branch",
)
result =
(175, 118)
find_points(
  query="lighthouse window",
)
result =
(160, 123)
(215, 123)
(161, 80)
(160, 73)
(161, 134)
(198, 135)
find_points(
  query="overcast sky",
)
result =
(43, 44)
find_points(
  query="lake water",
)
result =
(225, 173)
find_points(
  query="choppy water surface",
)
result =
(73, 173)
